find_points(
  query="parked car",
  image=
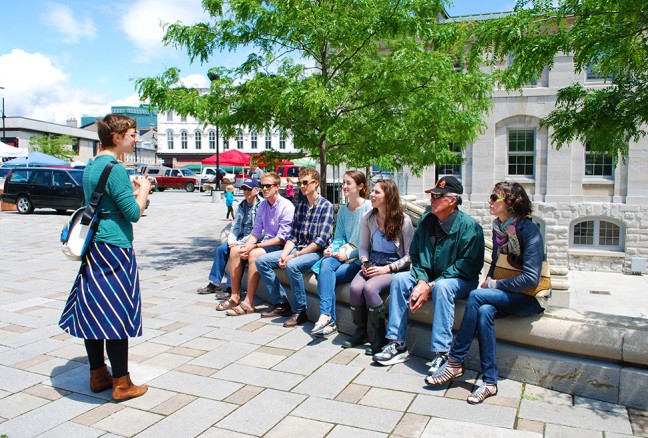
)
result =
(44, 187)
(176, 179)
(3, 175)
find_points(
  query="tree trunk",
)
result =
(323, 166)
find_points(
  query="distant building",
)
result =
(184, 140)
(22, 129)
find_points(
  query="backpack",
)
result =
(77, 234)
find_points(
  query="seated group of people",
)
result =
(377, 250)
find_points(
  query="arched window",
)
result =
(253, 139)
(600, 233)
(212, 140)
(268, 140)
(169, 139)
(183, 139)
(239, 139)
(282, 140)
(198, 139)
(169, 115)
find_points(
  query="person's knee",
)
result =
(444, 291)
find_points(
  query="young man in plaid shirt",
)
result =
(310, 234)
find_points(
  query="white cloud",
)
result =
(143, 21)
(61, 18)
(35, 88)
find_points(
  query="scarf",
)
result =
(506, 237)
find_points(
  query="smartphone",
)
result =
(367, 264)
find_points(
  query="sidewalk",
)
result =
(211, 375)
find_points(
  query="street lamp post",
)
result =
(4, 128)
(214, 77)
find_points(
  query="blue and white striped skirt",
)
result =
(105, 301)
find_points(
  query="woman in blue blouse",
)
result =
(338, 267)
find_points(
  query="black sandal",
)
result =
(452, 370)
(484, 391)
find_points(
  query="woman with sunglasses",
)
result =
(514, 234)
(338, 267)
(385, 236)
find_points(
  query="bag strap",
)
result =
(93, 203)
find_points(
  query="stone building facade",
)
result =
(593, 212)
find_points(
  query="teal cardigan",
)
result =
(118, 202)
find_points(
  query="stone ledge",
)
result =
(583, 353)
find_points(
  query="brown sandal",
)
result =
(226, 305)
(241, 309)
(452, 370)
(484, 391)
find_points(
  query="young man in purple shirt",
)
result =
(310, 234)
(271, 230)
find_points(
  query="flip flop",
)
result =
(241, 309)
(227, 305)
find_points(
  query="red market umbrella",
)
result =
(233, 157)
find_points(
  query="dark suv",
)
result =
(44, 187)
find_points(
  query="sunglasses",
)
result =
(305, 182)
(267, 186)
(246, 189)
(441, 195)
(495, 198)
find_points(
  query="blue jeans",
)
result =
(218, 267)
(445, 292)
(295, 268)
(333, 272)
(483, 307)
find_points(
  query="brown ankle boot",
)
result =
(124, 389)
(100, 379)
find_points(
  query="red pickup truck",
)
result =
(173, 178)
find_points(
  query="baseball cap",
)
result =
(447, 184)
(250, 183)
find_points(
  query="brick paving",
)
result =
(211, 375)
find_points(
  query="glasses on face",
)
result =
(440, 195)
(266, 186)
(246, 189)
(305, 182)
(494, 198)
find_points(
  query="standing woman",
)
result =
(385, 236)
(105, 304)
(334, 267)
(516, 235)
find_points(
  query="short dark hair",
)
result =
(515, 197)
(113, 124)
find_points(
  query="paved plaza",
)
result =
(211, 375)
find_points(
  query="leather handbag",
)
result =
(347, 248)
(506, 268)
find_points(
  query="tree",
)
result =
(609, 37)
(59, 146)
(361, 82)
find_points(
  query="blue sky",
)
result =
(67, 58)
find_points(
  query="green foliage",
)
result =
(59, 146)
(610, 36)
(354, 81)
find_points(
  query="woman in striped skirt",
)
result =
(104, 305)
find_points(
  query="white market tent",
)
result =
(7, 151)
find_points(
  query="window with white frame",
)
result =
(183, 118)
(212, 140)
(592, 74)
(239, 139)
(521, 152)
(253, 139)
(169, 116)
(183, 139)
(282, 140)
(198, 139)
(268, 140)
(225, 143)
(451, 168)
(169, 139)
(598, 163)
(598, 233)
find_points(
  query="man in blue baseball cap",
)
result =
(241, 229)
